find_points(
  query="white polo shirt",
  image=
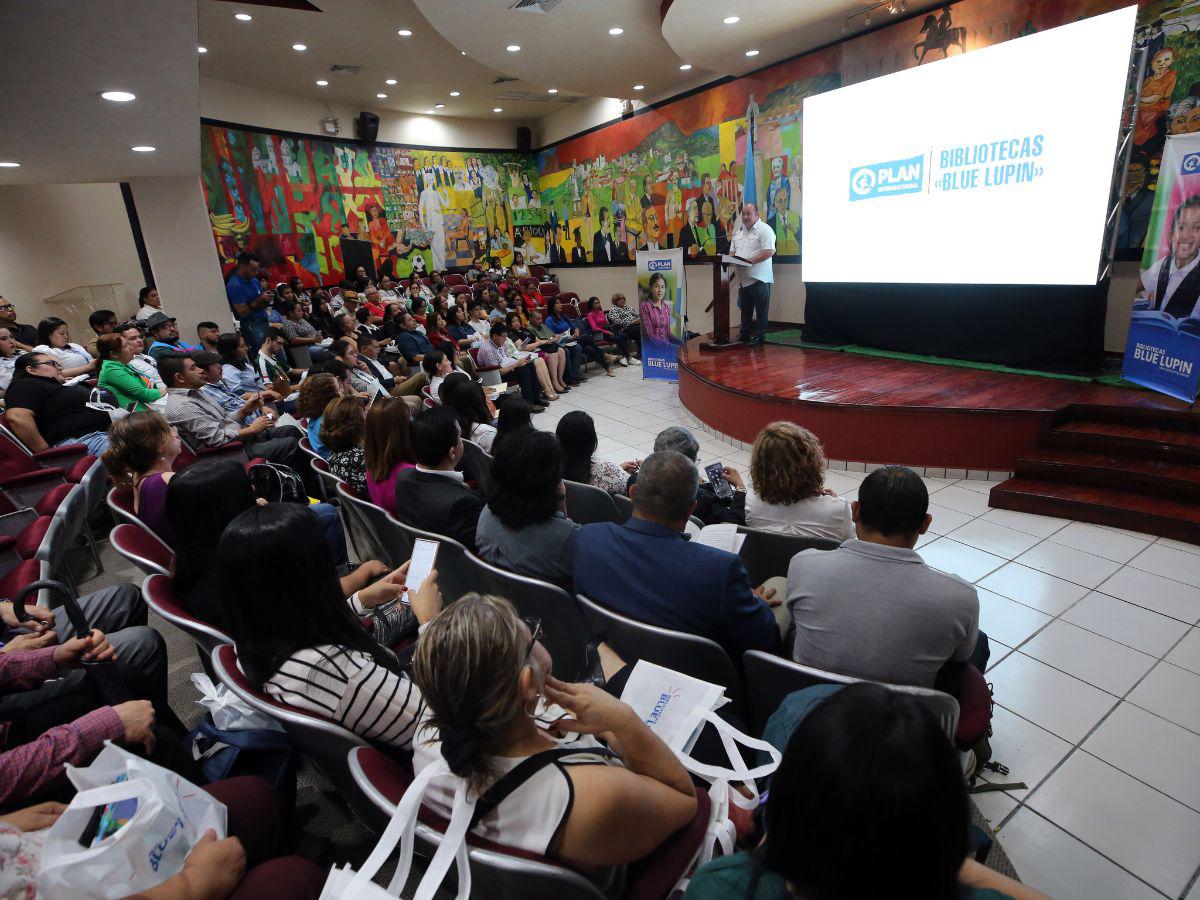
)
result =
(749, 242)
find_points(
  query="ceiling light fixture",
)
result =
(142, 148)
(322, 83)
(300, 47)
(439, 106)
(455, 94)
(430, 112)
(462, 52)
(390, 81)
(891, 7)
(9, 165)
(752, 53)
(732, 20)
(243, 17)
(686, 67)
(552, 90)
(513, 48)
(119, 96)
(381, 96)
(639, 87)
(404, 32)
(614, 31)
(497, 109)
(201, 49)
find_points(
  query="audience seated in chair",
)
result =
(44, 412)
(787, 492)
(142, 449)
(577, 436)
(647, 570)
(164, 335)
(237, 372)
(144, 364)
(866, 767)
(205, 424)
(710, 509)
(129, 387)
(873, 609)
(482, 671)
(250, 405)
(524, 527)
(201, 502)
(317, 392)
(465, 398)
(432, 496)
(300, 641)
(54, 339)
(342, 429)
(387, 450)
(513, 420)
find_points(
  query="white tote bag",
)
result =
(677, 707)
(346, 884)
(172, 814)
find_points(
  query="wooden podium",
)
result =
(723, 267)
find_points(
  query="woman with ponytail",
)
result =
(483, 675)
(141, 453)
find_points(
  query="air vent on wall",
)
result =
(533, 97)
(345, 70)
(535, 6)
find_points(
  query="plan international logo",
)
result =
(886, 179)
(659, 265)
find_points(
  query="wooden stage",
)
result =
(877, 410)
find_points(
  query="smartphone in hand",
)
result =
(424, 556)
(716, 477)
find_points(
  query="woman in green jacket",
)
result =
(121, 379)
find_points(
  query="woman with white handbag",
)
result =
(485, 761)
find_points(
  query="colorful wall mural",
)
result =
(292, 200)
(668, 177)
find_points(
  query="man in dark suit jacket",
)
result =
(432, 496)
(648, 570)
(604, 248)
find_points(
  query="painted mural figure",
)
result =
(1155, 98)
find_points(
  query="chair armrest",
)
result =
(65, 456)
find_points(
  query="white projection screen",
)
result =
(993, 167)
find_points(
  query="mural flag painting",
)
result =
(662, 306)
(1163, 349)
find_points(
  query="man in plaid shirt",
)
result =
(28, 766)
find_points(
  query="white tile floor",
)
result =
(1095, 665)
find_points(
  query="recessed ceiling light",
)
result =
(686, 67)
(615, 31)
(454, 94)
(142, 148)
(639, 87)
(462, 52)
(119, 96)
(431, 112)
(299, 46)
(243, 17)
(513, 48)
(381, 96)
(404, 32)
(390, 81)
(752, 53)
(497, 109)
(732, 20)
(439, 106)
(201, 49)
(322, 83)
(9, 165)
(552, 90)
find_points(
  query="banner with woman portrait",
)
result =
(1163, 349)
(662, 306)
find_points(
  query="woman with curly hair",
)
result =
(316, 393)
(787, 490)
(342, 430)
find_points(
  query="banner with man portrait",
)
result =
(1163, 349)
(662, 305)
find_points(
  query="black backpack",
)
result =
(276, 484)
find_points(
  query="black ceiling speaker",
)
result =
(524, 139)
(366, 126)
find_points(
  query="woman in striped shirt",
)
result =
(299, 641)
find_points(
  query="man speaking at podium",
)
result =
(755, 243)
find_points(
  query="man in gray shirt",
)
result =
(872, 609)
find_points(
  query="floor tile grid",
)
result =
(612, 404)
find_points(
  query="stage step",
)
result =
(1156, 441)
(1137, 473)
(1183, 420)
(1175, 519)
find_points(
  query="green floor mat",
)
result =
(793, 337)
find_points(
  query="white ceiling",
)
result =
(361, 33)
(778, 29)
(58, 55)
(568, 48)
